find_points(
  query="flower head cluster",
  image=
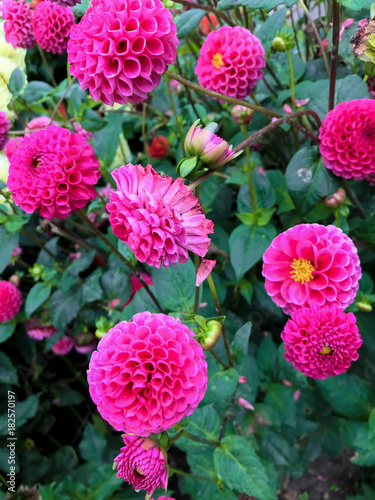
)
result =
(311, 264)
(158, 217)
(10, 301)
(63, 346)
(36, 330)
(4, 127)
(347, 139)
(119, 50)
(142, 464)
(321, 341)
(52, 24)
(53, 170)
(18, 23)
(231, 62)
(147, 374)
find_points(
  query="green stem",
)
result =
(197, 439)
(47, 66)
(176, 117)
(353, 198)
(196, 263)
(39, 243)
(219, 360)
(291, 80)
(186, 474)
(211, 284)
(253, 196)
(177, 436)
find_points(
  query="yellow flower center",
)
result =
(139, 471)
(217, 61)
(326, 350)
(301, 270)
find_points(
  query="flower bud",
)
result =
(278, 44)
(15, 279)
(335, 199)
(211, 336)
(364, 306)
(242, 115)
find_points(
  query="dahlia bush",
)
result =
(187, 256)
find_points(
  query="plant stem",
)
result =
(39, 243)
(47, 66)
(219, 360)
(144, 120)
(253, 196)
(196, 263)
(187, 474)
(211, 284)
(274, 76)
(196, 438)
(353, 198)
(177, 436)
(121, 257)
(207, 8)
(334, 52)
(292, 88)
(176, 117)
(61, 99)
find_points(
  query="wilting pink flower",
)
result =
(158, 217)
(147, 374)
(241, 115)
(39, 123)
(54, 171)
(231, 62)
(63, 346)
(84, 342)
(52, 24)
(242, 379)
(11, 147)
(204, 271)
(37, 331)
(119, 51)
(302, 102)
(4, 127)
(320, 478)
(345, 24)
(143, 464)
(245, 404)
(80, 130)
(347, 139)
(321, 341)
(137, 285)
(10, 301)
(311, 264)
(18, 23)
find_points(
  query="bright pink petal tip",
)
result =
(204, 270)
(10, 301)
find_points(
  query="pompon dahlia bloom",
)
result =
(158, 217)
(321, 341)
(52, 24)
(142, 464)
(63, 346)
(231, 62)
(54, 171)
(39, 123)
(147, 374)
(18, 23)
(10, 301)
(119, 50)
(311, 264)
(4, 127)
(37, 331)
(347, 139)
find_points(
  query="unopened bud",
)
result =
(210, 336)
(364, 306)
(278, 44)
(242, 115)
(335, 199)
(16, 280)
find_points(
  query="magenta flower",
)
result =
(231, 62)
(39, 123)
(321, 341)
(347, 139)
(158, 217)
(54, 171)
(11, 147)
(147, 374)
(311, 264)
(18, 23)
(52, 24)
(10, 301)
(37, 331)
(142, 464)
(4, 128)
(63, 346)
(80, 130)
(119, 51)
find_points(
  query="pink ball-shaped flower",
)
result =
(52, 24)
(159, 218)
(18, 23)
(120, 50)
(4, 128)
(142, 464)
(147, 374)
(231, 62)
(10, 301)
(54, 171)
(37, 331)
(39, 123)
(321, 341)
(311, 264)
(63, 346)
(347, 139)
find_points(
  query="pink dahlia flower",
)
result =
(39, 123)
(18, 23)
(10, 301)
(52, 24)
(80, 130)
(147, 374)
(231, 62)
(347, 139)
(159, 218)
(11, 147)
(54, 171)
(4, 127)
(120, 50)
(311, 264)
(63, 346)
(321, 341)
(142, 464)
(37, 331)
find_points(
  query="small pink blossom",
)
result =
(10, 301)
(63, 346)
(245, 404)
(114, 302)
(39, 123)
(36, 330)
(287, 109)
(17, 250)
(261, 171)
(204, 270)
(84, 343)
(242, 379)
(302, 102)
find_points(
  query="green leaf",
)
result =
(8, 374)
(204, 423)
(240, 344)
(64, 307)
(247, 246)
(280, 398)
(24, 410)
(356, 4)
(14, 223)
(364, 443)
(221, 387)
(36, 90)
(187, 21)
(240, 468)
(267, 355)
(116, 283)
(61, 463)
(308, 179)
(268, 5)
(204, 490)
(91, 289)
(34, 466)
(8, 243)
(6, 330)
(92, 445)
(106, 140)
(16, 83)
(366, 230)
(37, 295)
(70, 397)
(283, 200)
(175, 286)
